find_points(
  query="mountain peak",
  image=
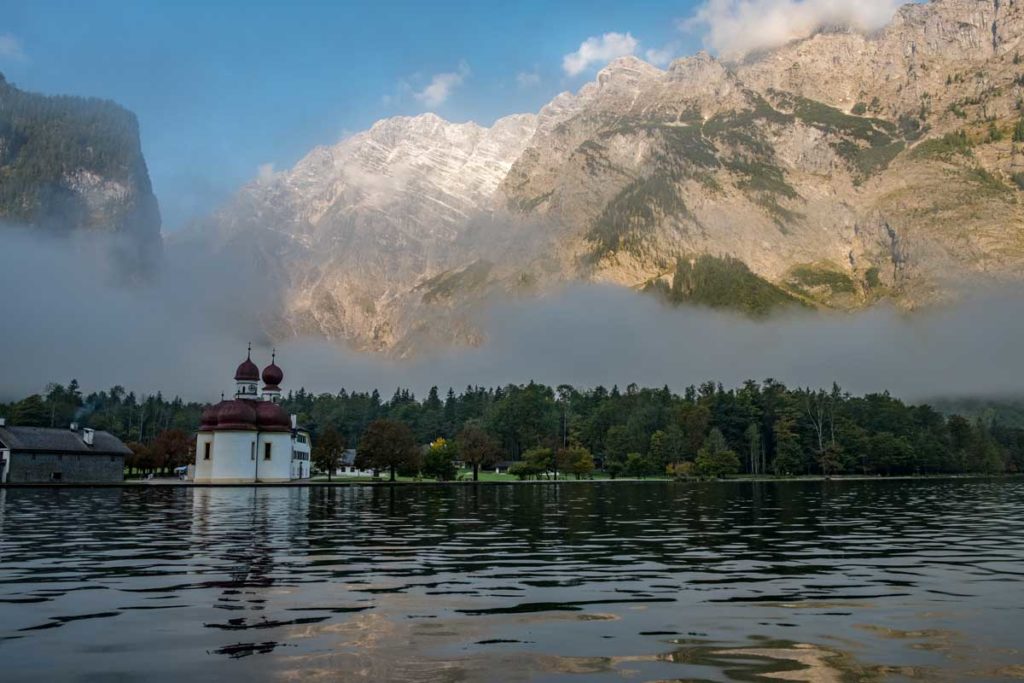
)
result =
(701, 66)
(628, 67)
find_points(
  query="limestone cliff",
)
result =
(841, 170)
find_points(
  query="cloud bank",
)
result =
(598, 50)
(441, 86)
(528, 79)
(662, 56)
(184, 334)
(10, 48)
(735, 27)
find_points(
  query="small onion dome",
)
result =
(273, 376)
(238, 415)
(271, 417)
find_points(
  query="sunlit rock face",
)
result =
(843, 169)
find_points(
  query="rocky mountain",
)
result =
(833, 172)
(355, 231)
(72, 164)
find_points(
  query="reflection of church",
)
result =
(251, 438)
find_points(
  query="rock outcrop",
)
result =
(70, 164)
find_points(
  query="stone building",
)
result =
(39, 455)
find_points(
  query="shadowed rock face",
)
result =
(71, 164)
(843, 169)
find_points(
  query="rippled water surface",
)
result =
(824, 581)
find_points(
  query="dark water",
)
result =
(825, 581)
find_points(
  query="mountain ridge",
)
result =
(842, 169)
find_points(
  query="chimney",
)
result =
(295, 421)
(88, 435)
(74, 427)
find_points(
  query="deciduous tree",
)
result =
(439, 461)
(477, 448)
(388, 445)
(328, 449)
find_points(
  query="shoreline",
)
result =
(306, 483)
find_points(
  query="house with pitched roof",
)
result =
(40, 455)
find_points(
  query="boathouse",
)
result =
(40, 455)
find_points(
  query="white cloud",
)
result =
(265, 172)
(662, 56)
(527, 79)
(736, 27)
(599, 50)
(10, 47)
(441, 86)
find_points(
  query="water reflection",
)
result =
(802, 581)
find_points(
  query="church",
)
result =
(250, 438)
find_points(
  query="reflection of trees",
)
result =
(371, 533)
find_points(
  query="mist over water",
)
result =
(65, 316)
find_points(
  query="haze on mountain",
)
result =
(819, 187)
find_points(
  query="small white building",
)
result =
(347, 466)
(302, 449)
(250, 438)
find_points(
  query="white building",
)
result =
(302, 449)
(250, 438)
(347, 466)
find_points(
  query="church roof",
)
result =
(47, 440)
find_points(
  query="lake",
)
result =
(823, 581)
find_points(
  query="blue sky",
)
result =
(223, 87)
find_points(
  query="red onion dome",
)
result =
(237, 414)
(271, 417)
(273, 376)
(247, 372)
(209, 417)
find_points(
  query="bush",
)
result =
(715, 459)
(717, 465)
(524, 470)
(681, 470)
(1018, 131)
(577, 461)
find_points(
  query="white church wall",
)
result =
(233, 457)
(278, 468)
(204, 465)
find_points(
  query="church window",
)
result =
(206, 451)
(266, 451)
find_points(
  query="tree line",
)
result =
(762, 428)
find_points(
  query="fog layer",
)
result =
(184, 333)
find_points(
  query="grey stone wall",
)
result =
(38, 468)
